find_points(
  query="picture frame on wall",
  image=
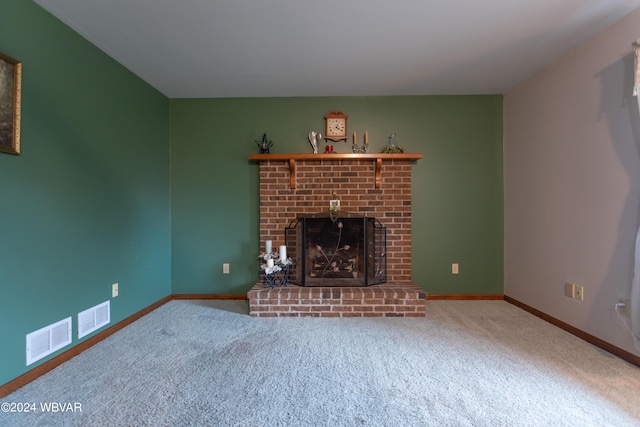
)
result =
(10, 86)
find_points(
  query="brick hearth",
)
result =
(388, 300)
(377, 186)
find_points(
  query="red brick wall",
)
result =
(353, 183)
(389, 300)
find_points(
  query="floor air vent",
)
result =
(47, 340)
(93, 318)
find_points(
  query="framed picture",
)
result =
(10, 81)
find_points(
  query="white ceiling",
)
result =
(258, 48)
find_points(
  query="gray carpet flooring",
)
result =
(207, 363)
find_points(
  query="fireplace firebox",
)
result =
(337, 248)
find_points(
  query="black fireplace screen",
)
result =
(337, 249)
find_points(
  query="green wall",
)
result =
(93, 198)
(86, 204)
(457, 193)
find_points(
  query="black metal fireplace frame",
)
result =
(371, 256)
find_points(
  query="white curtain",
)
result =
(634, 310)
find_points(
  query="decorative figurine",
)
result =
(264, 145)
(314, 139)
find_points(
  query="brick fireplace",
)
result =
(372, 185)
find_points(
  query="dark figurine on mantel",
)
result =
(264, 145)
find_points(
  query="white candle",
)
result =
(270, 263)
(366, 138)
(283, 253)
(354, 139)
(267, 246)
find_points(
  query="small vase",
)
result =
(392, 140)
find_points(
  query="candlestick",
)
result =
(366, 138)
(283, 253)
(270, 263)
(267, 246)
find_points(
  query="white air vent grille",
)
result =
(93, 318)
(47, 340)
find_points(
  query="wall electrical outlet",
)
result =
(454, 268)
(225, 268)
(579, 293)
(570, 290)
(114, 290)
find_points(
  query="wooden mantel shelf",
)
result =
(348, 156)
(291, 158)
